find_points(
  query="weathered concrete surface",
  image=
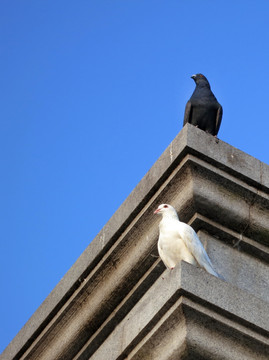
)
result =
(220, 191)
(221, 305)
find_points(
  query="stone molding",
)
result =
(119, 280)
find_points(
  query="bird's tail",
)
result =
(211, 271)
(220, 276)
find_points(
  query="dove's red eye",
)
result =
(165, 206)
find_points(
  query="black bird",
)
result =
(203, 109)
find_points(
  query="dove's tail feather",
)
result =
(211, 271)
(221, 277)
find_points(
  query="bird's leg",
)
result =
(169, 272)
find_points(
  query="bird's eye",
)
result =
(165, 206)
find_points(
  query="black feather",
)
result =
(203, 109)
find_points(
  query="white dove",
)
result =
(178, 241)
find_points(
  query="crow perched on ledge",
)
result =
(203, 109)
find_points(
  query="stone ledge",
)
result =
(221, 302)
(232, 238)
(192, 331)
(180, 177)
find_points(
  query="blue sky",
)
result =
(92, 92)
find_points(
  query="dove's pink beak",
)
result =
(156, 211)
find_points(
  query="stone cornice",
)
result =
(214, 187)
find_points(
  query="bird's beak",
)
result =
(193, 77)
(156, 211)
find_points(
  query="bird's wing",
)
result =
(162, 256)
(195, 246)
(187, 113)
(218, 118)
